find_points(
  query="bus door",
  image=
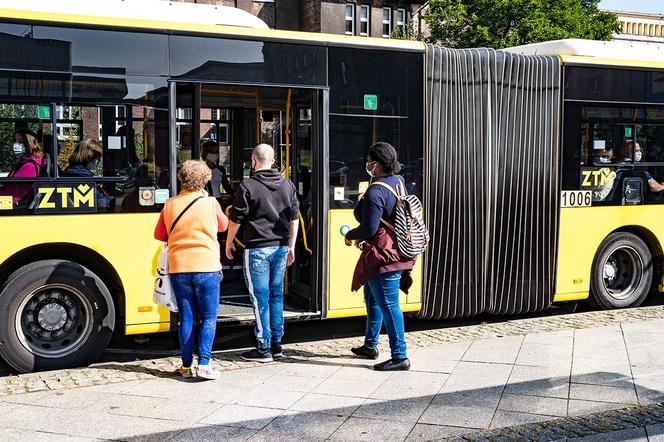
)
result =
(222, 124)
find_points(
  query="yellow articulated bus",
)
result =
(494, 142)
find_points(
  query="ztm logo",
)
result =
(596, 178)
(60, 197)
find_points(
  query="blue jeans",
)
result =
(381, 295)
(197, 295)
(264, 269)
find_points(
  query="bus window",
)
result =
(25, 146)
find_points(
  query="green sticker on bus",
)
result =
(628, 131)
(161, 195)
(44, 112)
(370, 102)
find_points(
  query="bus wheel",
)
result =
(622, 272)
(56, 314)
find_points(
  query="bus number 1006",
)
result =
(576, 198)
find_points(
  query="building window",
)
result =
(364, 21)
(350, 19)
(401, 19)
(387, 22)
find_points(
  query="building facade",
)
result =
(640, 26)
(371, 18)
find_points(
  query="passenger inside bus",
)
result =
(210, 154)
(31, 163)
(83, 162)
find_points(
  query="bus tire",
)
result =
(56, 314)
(622, 272)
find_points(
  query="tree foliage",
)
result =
(504, 23)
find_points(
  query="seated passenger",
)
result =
(31, 164)
(210, 154)
(83, 161)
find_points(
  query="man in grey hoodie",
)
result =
(266, 206)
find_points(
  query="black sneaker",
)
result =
(257, 355)
(393, 365)
(365, 352)
(277, 351)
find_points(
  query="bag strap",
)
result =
(390, 188)
(183, 212)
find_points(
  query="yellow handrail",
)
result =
(304, 233)
(228, 211)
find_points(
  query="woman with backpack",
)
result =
(189, 222)
(381, 268)
(31, 164)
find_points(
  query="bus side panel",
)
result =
(582, 230)
(126, 241)
(341, 300)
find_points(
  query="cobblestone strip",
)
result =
(107, 373)
(593, 424)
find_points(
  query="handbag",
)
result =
(163, 290)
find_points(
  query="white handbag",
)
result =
(163, 290)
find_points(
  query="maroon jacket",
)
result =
(379, 256)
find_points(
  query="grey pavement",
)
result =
(595, 383)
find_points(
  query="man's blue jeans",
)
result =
(264, 269)
(197, 294)
(381, 295)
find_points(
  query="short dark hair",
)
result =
(386, 155)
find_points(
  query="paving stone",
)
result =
(269, 398)
(581, 408)
(234, 415)
(287, 382)
(561, 337)
(398, 410)
(545, 355)
(534, 405)
(603, 374)
(655, 433)
(213, 433)
(356, 429)
(468, 416)
(342, 387)
(498, 350)
(328, 404)
(510, 418)
(299, 426)
(633, 435)
(606, 393)
(20, 435)
(427, 432)
(409, 384)
(498, 372)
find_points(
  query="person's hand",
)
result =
(348, 241)
(230, 248)
(290, 259)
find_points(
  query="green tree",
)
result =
(504, 23)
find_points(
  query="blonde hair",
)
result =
(31, 144)
(87, 151)
(194, 175)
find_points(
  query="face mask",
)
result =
(92, 165)
(370, 172)
(212, 157)
(19, 149)
(638, 155)
(604, 160)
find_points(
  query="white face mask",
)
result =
(212, 157)
(18, 149)
(370, 172)
(638, 155)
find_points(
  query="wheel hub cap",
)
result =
(610, 270)
(52, 316)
